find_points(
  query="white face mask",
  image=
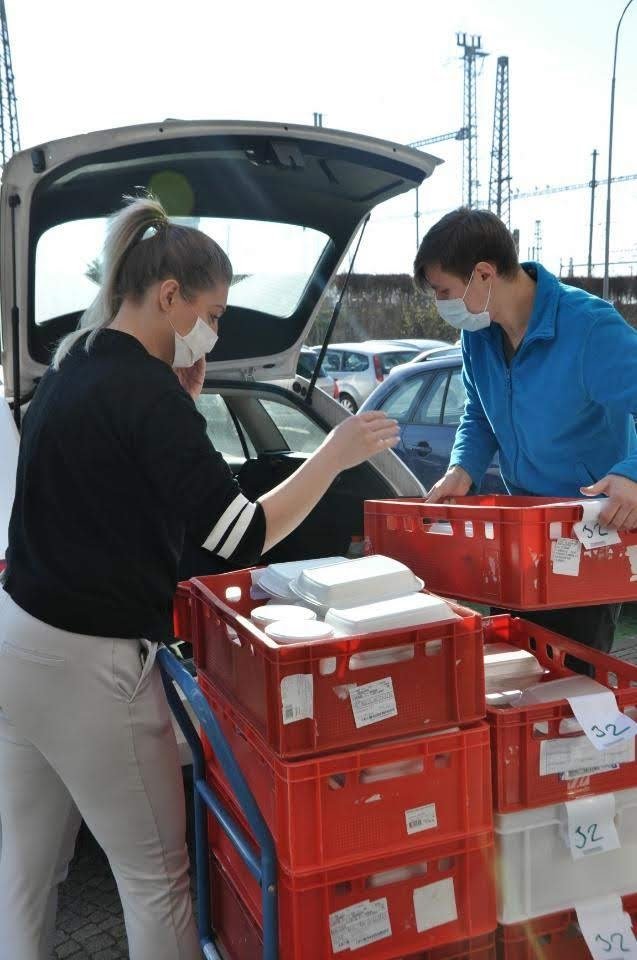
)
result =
(194, 345)
(457, 315)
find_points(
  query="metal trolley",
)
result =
(264, 865)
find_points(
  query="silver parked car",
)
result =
(360, 367)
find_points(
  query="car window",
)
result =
(429, 410)
(300, 433)
(355, 362)
(68, 263)
(398, 404)
(454, 401)
(332, 361)
(390, 360)
(306, 364)
(221, 428)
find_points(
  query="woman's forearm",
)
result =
(352, 442)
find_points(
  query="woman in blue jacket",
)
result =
(551, 378)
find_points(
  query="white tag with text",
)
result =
(606, 929)
(591, 825)
(359, 925)
(590, 531)
(576, 757)
(601, 720)
(421, 818)
(297, 697)
(566, 557)
(373, 702)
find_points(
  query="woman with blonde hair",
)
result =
(115, 471)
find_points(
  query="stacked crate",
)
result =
(372, 772)
(565, 813)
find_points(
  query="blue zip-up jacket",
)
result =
(560, 415)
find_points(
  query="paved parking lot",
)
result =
(90, 924)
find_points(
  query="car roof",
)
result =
(372, 346)
(420, 369)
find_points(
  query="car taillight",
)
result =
(378, 369)
(335, 390)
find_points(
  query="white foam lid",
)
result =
(502, 659)
(276, 578)
(412, 610)
(298, 631)
(280, 611)
(357, 582)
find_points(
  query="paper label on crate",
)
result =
(566, 556)
(421, 818)
(606, 929)
(373, 702)
(359, 925)
(590, 825)
(435, 904)
(576, 757)
(590, 531)
(297, 697)
(601, 720)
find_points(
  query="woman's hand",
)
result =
(359, 438)
(192, 378)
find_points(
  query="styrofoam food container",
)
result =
(507, 668)
(537, 873)
(272, 612)
(298, 631)
(502, 659)
(559, 690)
(276, 578)
(412, 610)
(357, 582)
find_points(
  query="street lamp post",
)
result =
(605, 290)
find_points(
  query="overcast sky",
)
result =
(389, 70)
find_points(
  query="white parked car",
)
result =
(360, 367)
(420, 344)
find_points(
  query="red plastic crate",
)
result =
(306, 902)
(182, 612)
(440, 686)
(322, 813)
(240, 936)
(553, 937)
(518, 734)
(497, 550)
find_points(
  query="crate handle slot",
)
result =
(392, 771)
(336, 781)
(398, 875)
(233, 636)
(377, 658)
(442, 760)
(442, 528)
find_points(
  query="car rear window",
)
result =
(390, 360)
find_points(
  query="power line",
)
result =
(563, 188)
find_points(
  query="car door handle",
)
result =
(423, 446)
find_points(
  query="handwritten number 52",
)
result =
(609, 728)
(608, 943)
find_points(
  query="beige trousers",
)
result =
(86, 731)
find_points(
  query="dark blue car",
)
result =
(427, 399)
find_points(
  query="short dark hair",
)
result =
(463, 238)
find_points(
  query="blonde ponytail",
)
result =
(131, 266)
